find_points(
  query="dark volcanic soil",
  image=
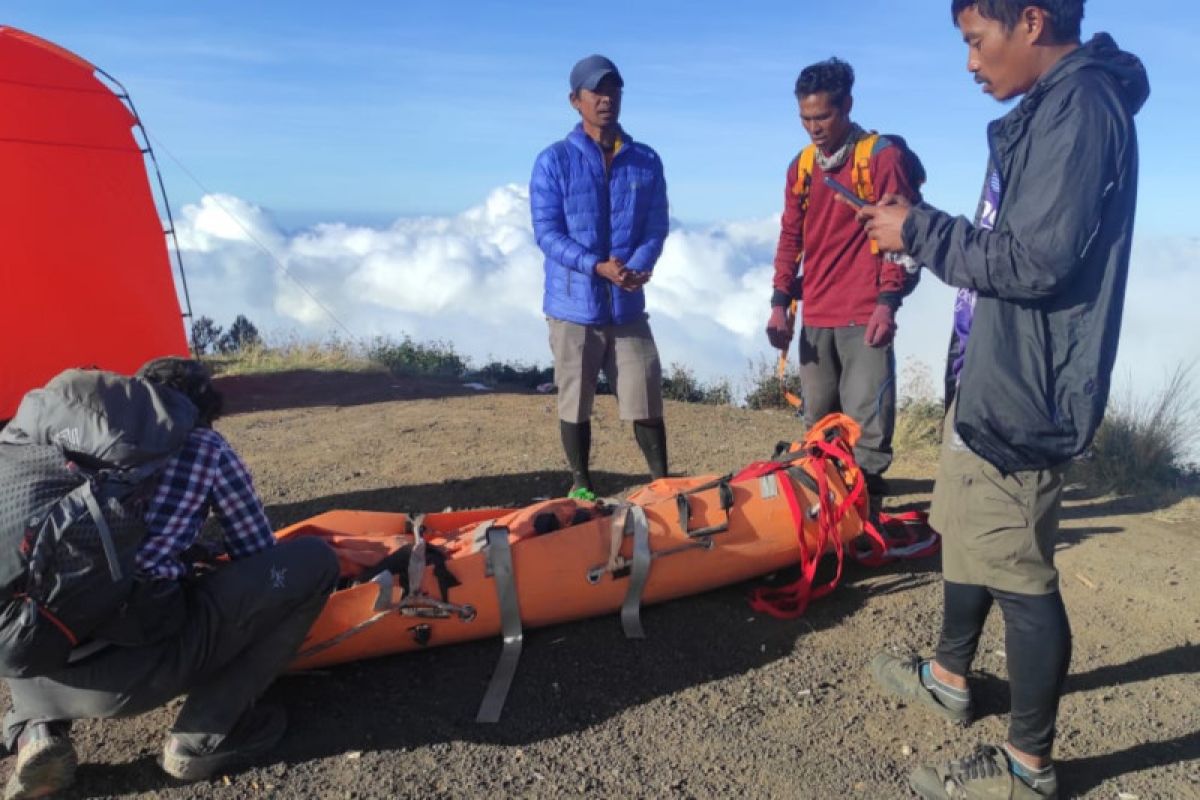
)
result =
(717, 702)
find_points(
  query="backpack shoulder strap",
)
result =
(881, 143)
(805, 163)
(878, 143)
(804, 170)
(860, 170)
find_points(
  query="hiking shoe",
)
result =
(45, 763)
(910, 679)
(259, 730)
(581, 493)
(988, 773)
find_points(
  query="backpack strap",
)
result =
(106, 538)
(62, 515)
(805, 163)
(860, 170)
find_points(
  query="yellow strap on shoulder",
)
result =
(860, 173)
(804, 170)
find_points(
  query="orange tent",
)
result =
(85, 277)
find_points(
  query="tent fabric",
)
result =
(85, 276)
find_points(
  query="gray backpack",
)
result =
(78, 462)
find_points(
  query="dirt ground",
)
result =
(717, 701)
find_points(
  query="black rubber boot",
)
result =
(651, 436)
(577, 443)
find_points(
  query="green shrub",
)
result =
(767, 389)
(681, 384)
(918, 423)
(1146, 443)
(292, 353)
(717, 393)
(409, 357)
(515, 373)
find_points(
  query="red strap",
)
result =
(906, 535)
(898, 536)
(791, 601)
(876, 553)
(58, 623)
(827, 524)
(856, 494)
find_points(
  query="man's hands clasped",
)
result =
(628, 279)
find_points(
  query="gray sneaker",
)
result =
(903, 677)
(988, 774)
(45, 763)
(259, 730)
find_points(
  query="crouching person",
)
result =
(222, 636)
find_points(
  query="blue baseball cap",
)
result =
(588, 73)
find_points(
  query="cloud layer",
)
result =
(475, 280)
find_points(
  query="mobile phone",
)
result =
(845, 192)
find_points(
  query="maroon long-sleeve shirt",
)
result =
(842, 279)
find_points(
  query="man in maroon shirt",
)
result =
(849, 293)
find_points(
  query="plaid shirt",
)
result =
(205, 475)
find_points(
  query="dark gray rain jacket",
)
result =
(1051, 277)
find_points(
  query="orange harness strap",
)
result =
(781, 368)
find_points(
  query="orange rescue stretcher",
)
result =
(417, 581)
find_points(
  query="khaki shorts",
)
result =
(997, 530)
(627, 354)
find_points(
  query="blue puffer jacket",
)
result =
(581, 217)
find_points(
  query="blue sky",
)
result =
(370, 110)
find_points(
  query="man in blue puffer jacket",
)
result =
(599, 204)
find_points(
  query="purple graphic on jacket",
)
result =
(964, 301)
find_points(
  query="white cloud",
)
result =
(1161, 327)
(222, 219)
(475, 279)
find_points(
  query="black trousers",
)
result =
(244, 624)
(1037, 641)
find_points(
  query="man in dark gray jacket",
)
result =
(1041, 274)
